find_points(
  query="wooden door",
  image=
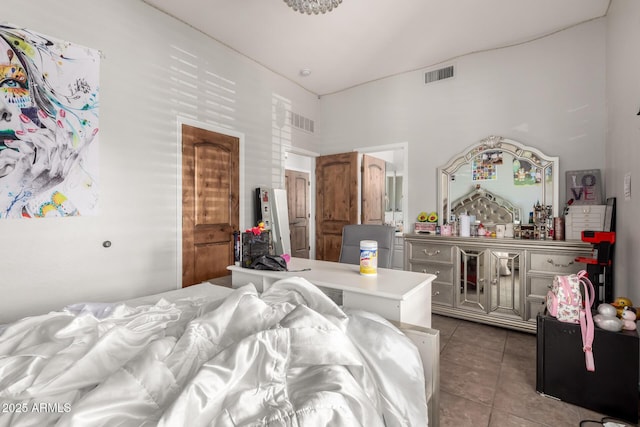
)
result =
(373, 189)
(297, 186)
(210, 203)
(336, 201)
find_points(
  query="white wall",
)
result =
(623, 152)
(155, 69)
(548, 93)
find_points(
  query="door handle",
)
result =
(431, 253)
(550, 261)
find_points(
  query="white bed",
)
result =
(209, 355)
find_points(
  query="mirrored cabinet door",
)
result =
(490, 281)
(472, 293)
(505, 292)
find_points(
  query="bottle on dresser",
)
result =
(455, 226)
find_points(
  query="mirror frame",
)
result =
(492, 143)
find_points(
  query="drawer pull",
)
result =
(435, 294)
(431, 253)
(437, 272)
(550, 261)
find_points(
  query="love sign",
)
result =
(584, 187)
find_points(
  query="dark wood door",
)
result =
(297, 185)
(336, 201)
(210, 203)
(373, 189)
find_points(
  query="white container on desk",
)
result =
(583, 217)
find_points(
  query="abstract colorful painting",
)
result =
(49, 100)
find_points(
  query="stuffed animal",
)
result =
(620, 303)
(607, 319)
(629, 319)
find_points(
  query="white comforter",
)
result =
(287, 357)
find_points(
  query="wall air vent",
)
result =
(302, 123)
(440, 74)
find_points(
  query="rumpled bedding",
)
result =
(286, 357)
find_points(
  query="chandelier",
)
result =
(313, 7)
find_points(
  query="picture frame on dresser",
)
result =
(584, 187)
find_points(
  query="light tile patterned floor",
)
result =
(488, 379)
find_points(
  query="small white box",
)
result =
(583, 217)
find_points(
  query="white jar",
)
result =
(465, 226)
(508, 230)
(368, 257)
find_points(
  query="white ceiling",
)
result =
(366, 40)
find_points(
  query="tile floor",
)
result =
(488, 378)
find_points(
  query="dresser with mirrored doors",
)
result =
(502, 282)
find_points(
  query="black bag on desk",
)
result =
(269, 262)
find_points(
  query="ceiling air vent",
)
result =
(441, 74)
(302, 123)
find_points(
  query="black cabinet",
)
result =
(612, 389)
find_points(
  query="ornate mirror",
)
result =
(509, 178)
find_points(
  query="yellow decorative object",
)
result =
(433, 217)
(620, 303)
(422, 217)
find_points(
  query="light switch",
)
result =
(627, 186)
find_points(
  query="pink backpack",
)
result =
(564, 302)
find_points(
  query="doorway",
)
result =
(301, 161)
(297, 187)
(349, 190)
(396, 157)
(210, 194)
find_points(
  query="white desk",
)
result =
(402, 296)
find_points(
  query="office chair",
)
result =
(353, 234)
